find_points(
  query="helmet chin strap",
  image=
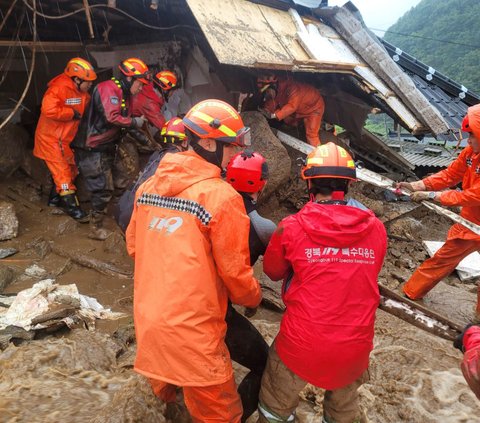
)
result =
(213, 157)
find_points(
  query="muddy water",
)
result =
(86, 376)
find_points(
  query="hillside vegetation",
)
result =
(444, 34)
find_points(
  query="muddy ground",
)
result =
(86, 376)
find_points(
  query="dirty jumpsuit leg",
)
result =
(217, 403)
(341, 405)
(96, 169)
(248, 348)
(434, 269)
(63, 175)
(281, 387)
(312, 128)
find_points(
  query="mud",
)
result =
(84, 376)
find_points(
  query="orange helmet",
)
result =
(81, 69)
(135, 68)
(266, 81)
(247, 171)
(166, 80)
(329, 161)
(173, 131)
(219, 121)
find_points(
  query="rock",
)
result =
(7, 252)
(40, 246)
(265, 142)
(13, 143)
(67, 225)
(6, 277)
(115, 243)
(8, 221)
(35, 271)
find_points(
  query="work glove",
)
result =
(250, 312)
(76, 115)
(420, 196)
(458, 342)
(138, 122)
(267, 114)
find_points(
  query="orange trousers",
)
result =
(443, 263)
(312, 128)
(206, 404)
(63, 175)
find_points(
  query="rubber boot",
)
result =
(53, 197)
(69, 203)
(97, 231)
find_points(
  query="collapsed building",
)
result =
(219, 48)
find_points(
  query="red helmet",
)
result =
(219, 121)
(329, 161)
(166, 80)
(247, 171)
(135, 68)
(466, 125)
(266, 81)
(173, 131)
(81, 69)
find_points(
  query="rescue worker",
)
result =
(329, 255)
(460, 241)
(63, 106)
(109, 113)
(173, 140)
(468, 342)
(247, 172)
(292, 101)
(150, 100)
(189, 237)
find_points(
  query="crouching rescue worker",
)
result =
(63, 106)
(95, 154)
(189, 237)
(247, 172)
(461, 241)
(292, 101)
(173, 140)
(468, 342)
(329, 255)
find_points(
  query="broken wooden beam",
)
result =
(93, 263)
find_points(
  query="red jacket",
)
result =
(110, 111)
(149, 104)
(296, 99)
(335, 253)
(465, 169)
(56, 127)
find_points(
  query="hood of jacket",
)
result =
(63, 80)
(335, 225)
(179, 171)
(474, 119)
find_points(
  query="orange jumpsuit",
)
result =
(189, 237)
(460, 241)
(56, 129)
(296, 100)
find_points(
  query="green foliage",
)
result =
(431, 21)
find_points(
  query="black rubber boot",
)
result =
(53, 198)
(72, 207)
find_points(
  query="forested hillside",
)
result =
(444, 34)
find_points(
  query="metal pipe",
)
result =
(89, 18)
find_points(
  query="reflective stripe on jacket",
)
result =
(189, 237)
(334, 253)
(56, 127)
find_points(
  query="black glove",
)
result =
(458, 343)
(76, 115)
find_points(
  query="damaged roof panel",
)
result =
(253, 35)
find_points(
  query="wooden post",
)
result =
(89, 18)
